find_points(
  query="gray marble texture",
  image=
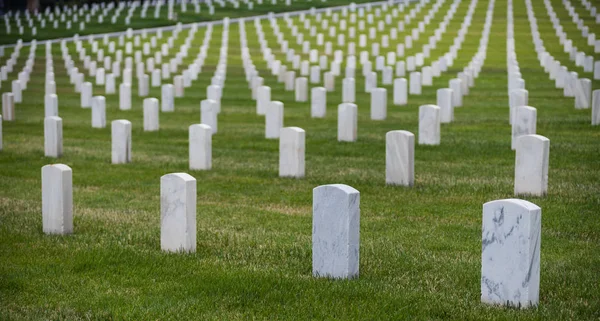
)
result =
(531, 165)
(378, 104)
(200, 147)
(53, 136)
(57, 199)
(524, 123)
(291, 152)
(336, 231)
(510, 256)
(429, 125)
(400, 158)
(178, 213)
(347, 122)
(121, 141)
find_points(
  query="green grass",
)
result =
(420, 247)
(137, 22)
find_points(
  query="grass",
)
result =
(420, 247)
(137, 22)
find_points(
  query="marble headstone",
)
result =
(531, 165)
(200, 147)
(178, 213)
(291, 152)
(57, 199)
(400, 158)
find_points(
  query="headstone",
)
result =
(510, 256)
(167, 98)
(336, 231)
(400, 158)
(596, 107)
(209, 114)
(125, 96)
(444, 101)
(263, 99)
(86, 94)
(8, 106)
(17, 91)
(291, 152)
(524, 123)
(53, 138)
(517, 98)
(301, 89)
(98, 112)
(429, 125)
(415, 83)
(200, 147)
(179, 88)
(378, 103)
(583, 93)
(274, 120)
(400, 92)
(318, 104)
(348, 90)
(531, 165)
(121, 141)
(151, 122)
(57, 199)
(110, 84)
(347, 122)
(178, 213)
(456, 86)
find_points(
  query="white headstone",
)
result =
(510, 256)
(456, 86)
(209, 114)
(524, 123)
(429, 125)
(596, 107)
(274, 119)
(178, 213)
(318, 105)
(53, 137)
(200, 147)
(98, 112)
(517, 98)
(400, 158)
(57, 199)
(291, 152)
(301, 89)
(151, 121)
(583, 93)
(400, 92)
(378, 104)
(86, 94)
(167, 98)
(121, 141)
(444, 101)
(531, 165)
(415, 83)
(263, 99)
(125, 96)
(347, 122)
(348, 90)
(336, 230)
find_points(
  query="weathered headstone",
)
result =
(400, 158)
(178, 213)
(57, 199)
(524, 123)
(121, 141)
(510, 256)
(531, 165)
(200, 147)
(336, 231)
(291, 152)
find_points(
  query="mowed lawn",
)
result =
(420, 247)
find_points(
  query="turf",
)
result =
(420, 247)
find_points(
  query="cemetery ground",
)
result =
(420, 247)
